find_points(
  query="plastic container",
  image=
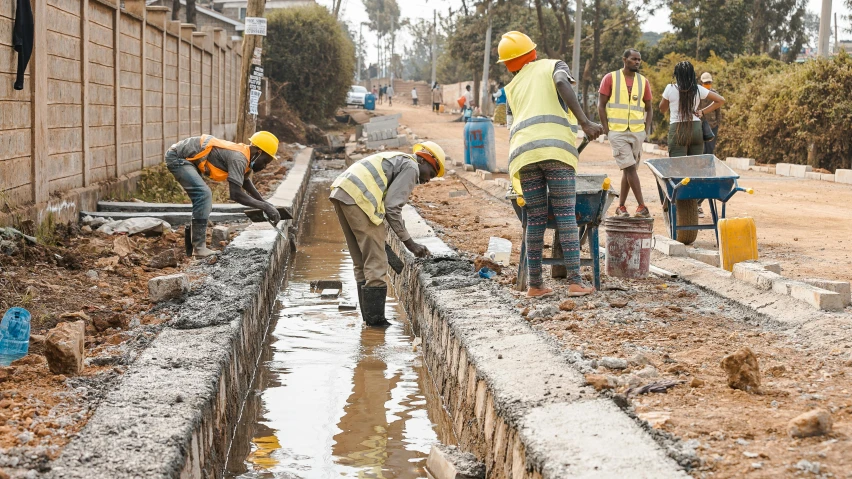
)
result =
(737, 241)
(628, 246)
(369, 102)
(479, 149)
(499, 250)
(14, 335)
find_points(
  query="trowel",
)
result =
(257, 216)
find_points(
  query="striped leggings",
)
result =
(558, 178)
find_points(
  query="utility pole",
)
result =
(836, 36)
(578, 38)
(393, 39)
(246, 122)
(824, 29)
(485, 102)
(358, 52)
(434, 47)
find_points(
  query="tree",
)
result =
(417, 55)
(385, 21)
(309, 50)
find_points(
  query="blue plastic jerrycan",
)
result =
(14, 335)
(369, 102)
(479, 148)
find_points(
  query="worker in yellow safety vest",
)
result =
(624, 105)
(196, 157)
(365, 196)
(542, 115)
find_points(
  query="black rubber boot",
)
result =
(199, 239)
(374, 305)
(360, 284)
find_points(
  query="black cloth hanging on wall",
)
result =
(22, 38)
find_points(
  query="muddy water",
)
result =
(333, 398)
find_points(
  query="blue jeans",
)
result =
(190, 179)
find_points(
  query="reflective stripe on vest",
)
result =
(366, 183)
(542, 129)
(622, 111)
(208, 142)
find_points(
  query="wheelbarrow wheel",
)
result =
(687, 214)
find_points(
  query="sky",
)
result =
(353, 12)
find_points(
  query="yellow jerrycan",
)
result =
(737, 241)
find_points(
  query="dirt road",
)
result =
(805, 225)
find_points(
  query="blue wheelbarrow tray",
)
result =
(709, 179)
(591, 206)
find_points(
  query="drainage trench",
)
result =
(331, 397)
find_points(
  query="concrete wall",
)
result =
(100, 95)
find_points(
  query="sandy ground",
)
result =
(654, 325)
(805, 225)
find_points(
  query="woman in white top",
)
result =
(681, 100)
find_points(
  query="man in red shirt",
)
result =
(627, 117)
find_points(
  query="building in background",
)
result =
(205, 17)
(236, 9)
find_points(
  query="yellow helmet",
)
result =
(266, 141)
(436, 151)
(513, 45)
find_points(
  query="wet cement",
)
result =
(333, 398)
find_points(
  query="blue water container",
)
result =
(14, 335)
(479, 149)
(370, 102)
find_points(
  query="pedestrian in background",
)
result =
(375, 93)
(414, 96)
(468, 103)
(389, 93)
(624, 105)
(382, 90)
(437, 97)
(681, 99)
(500, 105)
(714, 117)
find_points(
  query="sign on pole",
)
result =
(255, 58)
(254, 99)
(255, 26)
(254, 85)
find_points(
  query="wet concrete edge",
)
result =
(175, 410)
(515, 398)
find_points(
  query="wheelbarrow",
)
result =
(682, 182)
(594, 198)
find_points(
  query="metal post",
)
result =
(434, 47)
(824, 28)
(578, 37)
(358, 53)
(484, 101)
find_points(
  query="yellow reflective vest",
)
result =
(625, 110)
(366, 183)
(542, 129)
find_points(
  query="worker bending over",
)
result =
(369, 192)
(220, 160)
(542, 114)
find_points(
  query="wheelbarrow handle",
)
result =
(746, 190)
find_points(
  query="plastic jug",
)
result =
(14, 335)
(499, 250)
(479, 149)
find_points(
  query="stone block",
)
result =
(843, 176)
(375, 145)
(707, 256)
(468, 167)
(448, 462)
(64, 347)
(167, 287)
(669, 246)
(827, 177)
(840, 287)
(817, 297)
(810, 175)
(748, 272)
(458, 163)
(221, 233)
(782, 169)
(799, 171)
(739, 163)
(485, 175)
(773, 266)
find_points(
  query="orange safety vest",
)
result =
(208, 142)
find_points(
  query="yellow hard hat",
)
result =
(436, 151)
(513, 45)
(266, 141)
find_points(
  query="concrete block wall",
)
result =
(101, 94)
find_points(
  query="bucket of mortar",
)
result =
(628, 246)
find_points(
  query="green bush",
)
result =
(306, 48)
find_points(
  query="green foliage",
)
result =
(308, 49)
(158, 185)
(45, 232)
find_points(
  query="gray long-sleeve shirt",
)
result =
(402, 175)
(231, 161)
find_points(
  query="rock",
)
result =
(618, 303)
(9, 248)
(776, 370)
(122, 246)
(36, 344)
(221, 233)
(613, 363)
(102, 323)
(166, 287)
(169, 258)
(482, 261)
(696, 383)
(107, 264)
(451, 463)
(621, 401)
(743, 370)
(525, 311)
(92, 274)
(6, 373)
(808, 466)
(648, 372)
(600, 381)
(64, 347)
(567, 305)
(638, 359)
(86, 229)
(812, 423)
(76, 315)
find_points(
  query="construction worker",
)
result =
(368, 193)
(542, 115)
(626, 111)
(220, 160)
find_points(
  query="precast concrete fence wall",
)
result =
(107, 90)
